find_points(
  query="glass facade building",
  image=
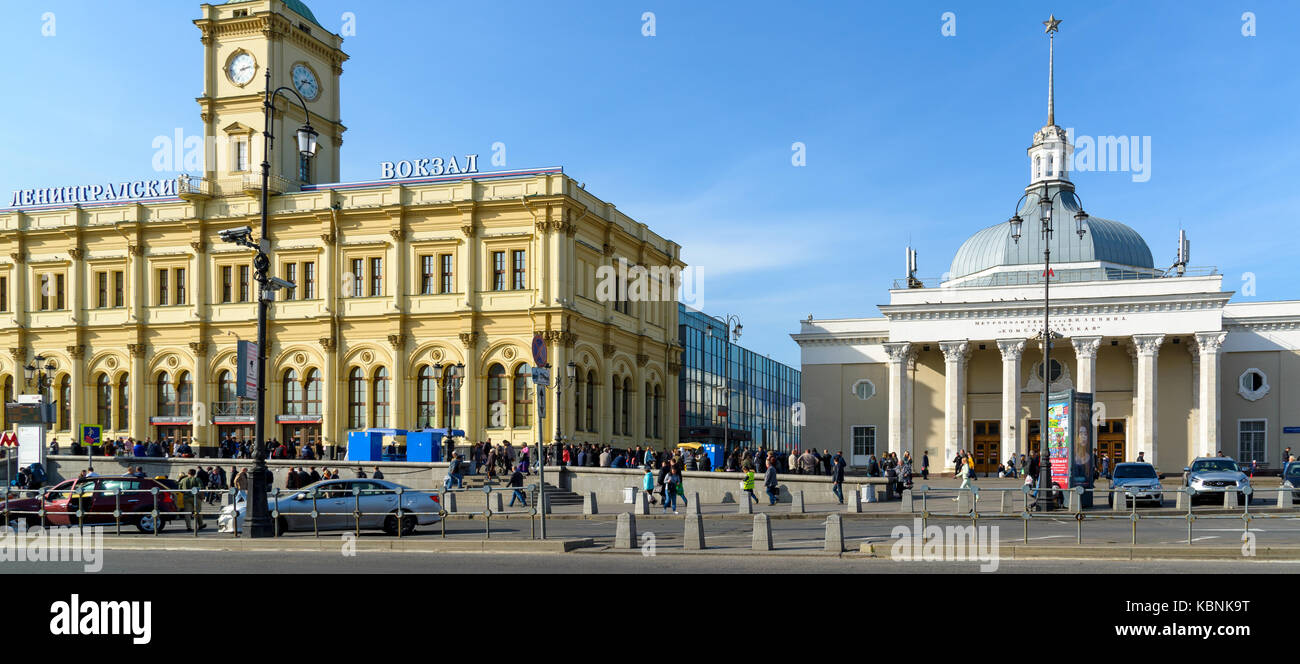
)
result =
(763, 391)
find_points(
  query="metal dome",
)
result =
(1106, 241)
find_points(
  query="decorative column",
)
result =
(79, 410)
(137, 400)
(605, 398)
(1148, 350)
(638, 410)
(1209, 345)
(469, 415)
(909, 405)
(330, 419)
(201, 420)
(1012, 352)
(897, 353)
(399, 408)
(1085, 352)
(955, 354)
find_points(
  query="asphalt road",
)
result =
(209, 562)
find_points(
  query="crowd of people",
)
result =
(230, 447)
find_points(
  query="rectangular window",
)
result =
(498, 270)
(309, 280)
(4, 293)
(241, 155)
(521, 263)
(304, 169)
(357, 278)
(101, 284)
(119, 288)
(180, 285)
(1252, 441)
(291, 276)
(864, 441)
(162, 288)
(426, 275)
(376, 277)
(447, 285)
(227, 282)
(243, 283)
(58, 291)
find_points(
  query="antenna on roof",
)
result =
(912, 281)
(1184, 253)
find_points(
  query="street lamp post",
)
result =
(732, 323)
(257, 513)
(40, 374)
(1045, 203)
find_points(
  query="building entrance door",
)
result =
(1111, 439)
(174, 434)
(986, 445)
(302, 434)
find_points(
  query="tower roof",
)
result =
(297, 6)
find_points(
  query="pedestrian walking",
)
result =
(747, 485)
(837, 476)
(769, 480)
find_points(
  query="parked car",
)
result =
(135, 500)
(335, 503)
(1139, 481)
(1211, 476)
(1291, 478)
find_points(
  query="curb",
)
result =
(332, 544)
(1148, 552)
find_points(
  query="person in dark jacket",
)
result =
(837, 476)
(517, 488)
(769, 480)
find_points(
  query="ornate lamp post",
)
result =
(734, 328)
(570, 375)
(454, 376)
(1045, 203)
(257, 514)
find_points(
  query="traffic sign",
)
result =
(542, 376)
(541, 404)
(539, 350)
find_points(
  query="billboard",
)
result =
(1069, 440)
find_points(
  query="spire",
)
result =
(1052, 24)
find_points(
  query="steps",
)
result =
(557, 496)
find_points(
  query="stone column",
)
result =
(955, 354)
(138, 402)
(909, 405)
(1209, 344)
(78, 411)
(1148, 350)
(332, 416)
(1194, 437)
(205, 440)
(398, 408)
(470, 419)
(1085, 354)
(1012, 351)
(897, 353)
(605, 397)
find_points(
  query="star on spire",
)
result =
(1052, 22)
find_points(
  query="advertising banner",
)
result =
(246, 381)
(1059, 406)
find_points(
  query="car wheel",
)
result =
(408, 524)
(147, 524)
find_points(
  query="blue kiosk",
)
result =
(420, 446)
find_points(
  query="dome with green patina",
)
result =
(297, 6)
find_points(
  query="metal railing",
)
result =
(1124, 507)
(195, 499)
(189, 186)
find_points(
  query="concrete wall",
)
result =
(608, 484)
(413, 475)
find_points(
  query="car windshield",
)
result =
(1214, 465)
(1125, 471)
(1293, 470)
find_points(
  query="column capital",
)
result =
(955, 351)
(1012, 349)
(897, 351)
(1210, 343)
(200, 348)
(1085, 347)
(1148, 344)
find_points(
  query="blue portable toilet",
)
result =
(715, 454)
(425, 445)
(371, 444)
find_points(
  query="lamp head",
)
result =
(307, 141)
(1016, 222)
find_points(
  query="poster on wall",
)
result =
(1059, 406)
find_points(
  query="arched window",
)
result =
(104, 401)
(65, 404)
(9, 397)
(381, 398)
(614, 405)
(523, 396)
(627, 407)
(577, 402)
(659, 400)
(426, 397)
(649, 411)
(185, 395)
(166, 396)
(292, 393)
(450, 403)
(312, 387)
(225, 388)
(356, 399)
(496, 397)
(591, 401)
(123, 402)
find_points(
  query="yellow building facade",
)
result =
(139, 305)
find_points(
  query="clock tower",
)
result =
(242, 40)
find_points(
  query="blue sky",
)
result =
(910, 135)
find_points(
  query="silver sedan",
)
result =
(335, 503)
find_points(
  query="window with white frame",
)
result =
(864, 389)
(1252, 439)
(864, 440)
(1252, 385)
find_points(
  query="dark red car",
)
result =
(136, 502)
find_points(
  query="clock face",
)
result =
(305, 82)
(241, 68)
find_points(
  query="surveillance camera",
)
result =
(236, 234)
(276, 283)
